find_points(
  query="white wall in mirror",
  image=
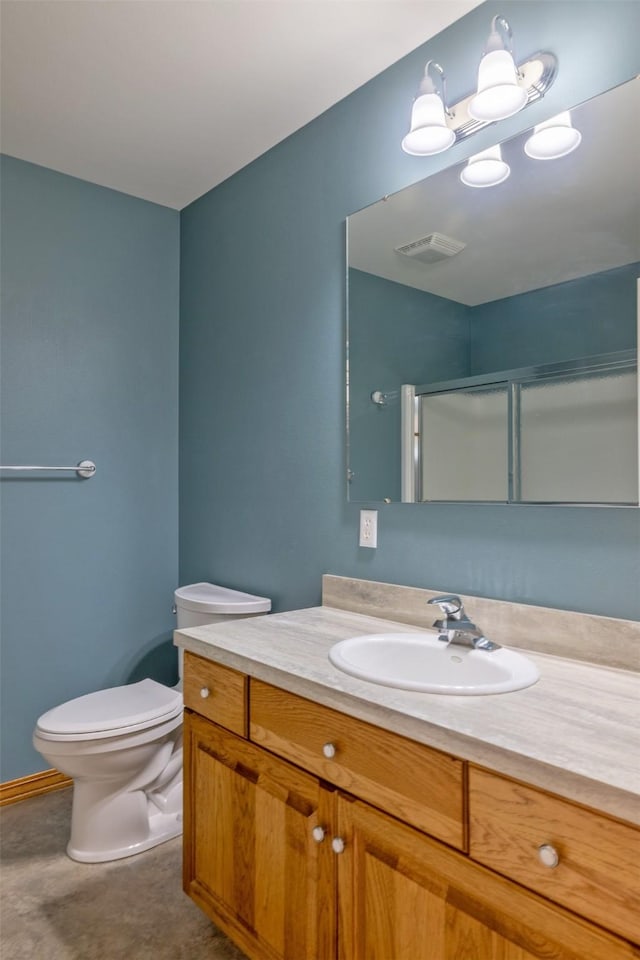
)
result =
(551, 221)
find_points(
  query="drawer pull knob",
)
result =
(318, 834)
(204, 692)
(337, 844)
(329, 750)
(548, 855)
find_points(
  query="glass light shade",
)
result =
(485, 169)
(429, 132)
(552, 139)
(499, 93)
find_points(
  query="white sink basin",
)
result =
(419, 661)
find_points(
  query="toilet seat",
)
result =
(112, 712)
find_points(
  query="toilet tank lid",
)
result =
(107, 711)
(209, 598)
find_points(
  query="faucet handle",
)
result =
(450, 603)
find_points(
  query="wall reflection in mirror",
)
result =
(492, 333)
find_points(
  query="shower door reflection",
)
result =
(468, 430)
(577, 438)
(558, 433)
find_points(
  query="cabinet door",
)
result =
(251, 861)
(403, 896)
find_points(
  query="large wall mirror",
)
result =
(493, 333)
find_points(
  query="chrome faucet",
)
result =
(455, 627)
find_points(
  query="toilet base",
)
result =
(162, 827)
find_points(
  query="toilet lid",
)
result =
(210, 598)
(107, 712)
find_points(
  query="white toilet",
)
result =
(123, 746)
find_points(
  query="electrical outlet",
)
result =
(368, 528)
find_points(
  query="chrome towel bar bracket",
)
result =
(84, 469)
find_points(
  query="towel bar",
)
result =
(85, 469)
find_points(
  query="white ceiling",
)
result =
(164, 99)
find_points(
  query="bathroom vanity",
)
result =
(327, 817)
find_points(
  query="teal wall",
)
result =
(580, 318)
(89, 370)
(263, 487)
(397, 335)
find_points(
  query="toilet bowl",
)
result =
(123, 749)
(123, 746)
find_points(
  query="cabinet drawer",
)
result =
(598, 870)
(410, 781)
(216, 692)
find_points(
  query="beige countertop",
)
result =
(576, 732)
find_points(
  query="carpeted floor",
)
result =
(55, 909)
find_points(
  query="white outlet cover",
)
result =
(369, 528)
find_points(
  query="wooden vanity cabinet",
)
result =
(417, 784)
(403, 896)
(294, 865)
(216, 692)
(592, 861)
(251, 862)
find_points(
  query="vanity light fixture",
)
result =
(486, 169)
(504, 88)
(429, 133)
(499, 93)
(553, 138)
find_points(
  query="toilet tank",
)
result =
(200, 603)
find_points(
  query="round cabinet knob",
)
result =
(204, 692)
(337, 844)
(329, 750)
(318, 834)
(548, 855)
